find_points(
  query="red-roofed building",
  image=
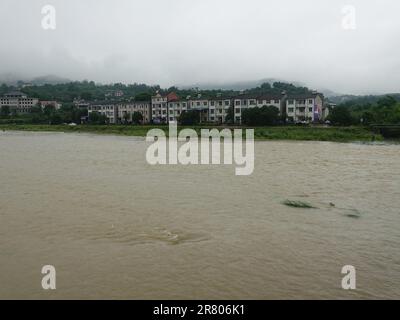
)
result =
(172, 97)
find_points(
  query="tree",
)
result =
(269, 115)
(137, 117)
(48, 110)
(341, 116)
(56, 118)
(265, 116)
(230, 115)
(37, 109)
(143, 97)
(189, 118)
(86, 96)
(368, 117)
(5, 111)
(387, 101)
(125, 117)
(97, 118)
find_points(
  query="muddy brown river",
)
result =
(116, 227)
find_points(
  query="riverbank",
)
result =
(335, 134)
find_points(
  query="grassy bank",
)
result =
(345, 134)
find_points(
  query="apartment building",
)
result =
(126, 110)
(175, 109)
(54, 104)
(218, 110)
(159, 108)
(201, 105)
(276, 101)
(18, 102)
(243, 102)
(81, 104)
(298, 108)
(210, 110)
(305, 107)
(108, 109)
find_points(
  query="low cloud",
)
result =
(192, 41)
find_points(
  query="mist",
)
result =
(184, 42)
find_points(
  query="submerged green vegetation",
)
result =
(298, 204)
(336, 134)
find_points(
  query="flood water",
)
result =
(115, 227)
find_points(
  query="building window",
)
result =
(227, 102)
(290, 110)
(290, 102)
(310, 101)
(310, 109)
(276, 101)
(237, 110)
(237, 103)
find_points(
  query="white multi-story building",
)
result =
(201, 105)
(159, 108)
(243, 102)
(81, 104)
(105, 108)
(210, 110)
(126, 110)
(175, 109)
(272, 100)
(18, 102)
(54, 104)
(305, 107)
(218, 110)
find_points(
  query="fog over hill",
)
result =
(14, 79)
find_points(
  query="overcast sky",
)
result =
(171, 42)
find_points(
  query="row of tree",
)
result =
(66, 114)
(265, 116)
(385, 111)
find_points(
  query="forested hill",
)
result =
(361, 100)
(88, 90)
